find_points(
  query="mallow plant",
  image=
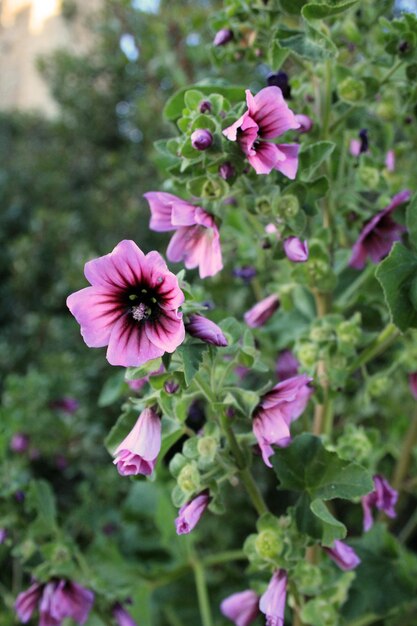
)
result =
(282, 308)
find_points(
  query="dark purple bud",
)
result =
(408, 120)
(230, 412)
(246, 272)
(280, 79)
(363, 136)
(110, 529)
(201, 139)
(205, 106)
(230, 201)
(20, 496)
(19, 443)
(66, 404)
(171, 386)
(226, 170)
(206, 330)
(61, 462)
(412, 379)
(3, 535)
(404, 47)
(223, 37)
(259, 314)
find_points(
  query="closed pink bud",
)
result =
(223, 37)
(121, 616)
(390, 160)
(241, 608)
(206, 330)
(296, 250)
(189, 515)
(201, 139)
(262, 311)
(343, 555)
(272, 603)
(226, 170)
(412, 379)
(137, 454)
(19, 443)
(306, 123)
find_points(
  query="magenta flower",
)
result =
(201, 139)
(383, 498)
(55, 601)
(379, 234)
(390, 160)
(241, 608)
(66, 404)
(262, 311)
(343, 555)
(272, 602)
(306, 123)
(268, 116)
(277, 410)
(287, 365)
(206, 330)
(223, 37)
(412, 379)
(138, 451)
(27, 601)
(296, 250)
(196, 241)
(189, 515)
(19, 443)
(121, 616)
(131, 307)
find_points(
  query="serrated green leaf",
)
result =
(395, 275)
(191, 355)
(277, 55)
(174, 106)
(331, 527)
(292, 6)
(312, 156)
(112, 389)
(41, 499)
(314, 11)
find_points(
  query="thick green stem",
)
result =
(224, 557)
(345, 298)
(404, 460)
(390, 72)
(384, 340)
(323, 411)
(202, 593)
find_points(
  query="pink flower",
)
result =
(379, 234)
(55, 601)
(343, 555)
(189, 515)
(306, 123)
(390, 161)
(412, 379)
(262, 311)
(241, 608)
(277, 410)
(138, 451)
(287, 365)
(131, 307)
(196, 241)
(268, 116)
(27, 601)
(384, 498)
(201, 139)
(296, 250)
(272, 603)
(19, 443)
(206, 330)
(121, 616)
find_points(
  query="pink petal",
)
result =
(167, 331)
(163, 281)
(145, 437)
(129, 345)
(96, 310)
(117, 270)
(183, 214)
(265, 158)
(270, 111)
(160, 204)
(244, 123)
(289, 166)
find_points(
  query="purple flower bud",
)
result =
(171, 386)
(287, 365)
(61, 462)
(343, 555)
(246, 273)
(390, 161)
(121, 616)
(66, 404)
(3, 535)
(19, 443)
(241, 608)
(19, 496)
(205, 106)
(272, 603)
(206, 330)
(27, 601)
(262, 311)
(280, 79)
(383, 498)
(306, 123)
(412, 379)
(361, 145)
(296, 250)
(201, 139)
(222, 37)
(226, 170)
(189, 515)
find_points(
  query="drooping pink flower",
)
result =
(19, 443)
(262, 311)
(190, 514)
(196, 241)
(268, 116)
(287, 365)
(27, 601)
(241, 608)
(131, 307)
(69, 599)
(272, 602)
(121, 616)
(383, 498)
(379, 234)
(277, 410)
(412, 379)
(137, 453)
(201, 139)
(206, 330)
(296, 250)
(390, 160)
(306, 123)
(343, 555)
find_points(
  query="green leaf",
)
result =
(314, 11)
(42, 500)
(192, 98)
(307, 47)
(277, 55)
(292, 6)
(307, 467)
(133, 373)
(120, 430)
(175, 104)
(113, 388)
(412, 220)
(313, 156)
(396, 274)
(332, 528)
(191, 355)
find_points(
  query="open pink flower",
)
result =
(241, 608)
(131, 306)
(277, 410)
(138, 452)
(196, 241)
(379, 234)
(343, 555)
(272, 603)
(384, 498)
(268, 116)
(190, 514)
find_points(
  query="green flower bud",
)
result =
(207, 447)
(307, 354)
(348, 332)
(308, 578)
(319, 611)
(263, 205)
(214, 189)
(268, 544)
(378, 385)
(189, 478)
(321, 334)
(354, 445)
(288, 206)
(351, 90)
(320, 274)
(387, 110)
(369, 176)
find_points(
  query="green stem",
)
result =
(323, 411)
(202, 593)
(327, 100)
(385, 338)
(404, 460)
(342, 118)
(390, 72)
(409, 528)
(224, 557)
(344, 298)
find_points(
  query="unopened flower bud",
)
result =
(288, 206)
(189, 478)
(296, 250)
(412, 380)
(205, 106)
(262, 311)
(171, 386)
(307, 354)
(348, 332)
(351, 90)
(226, 170)
(246, 272)
(369, 176)
(268, 544)
(307, 577)
(190, 514)
(306, 123)
(222, 37)
(354, 445)
(280, 79)
(19, 443)
(206, 330)
(207, 447)
(201, 139)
